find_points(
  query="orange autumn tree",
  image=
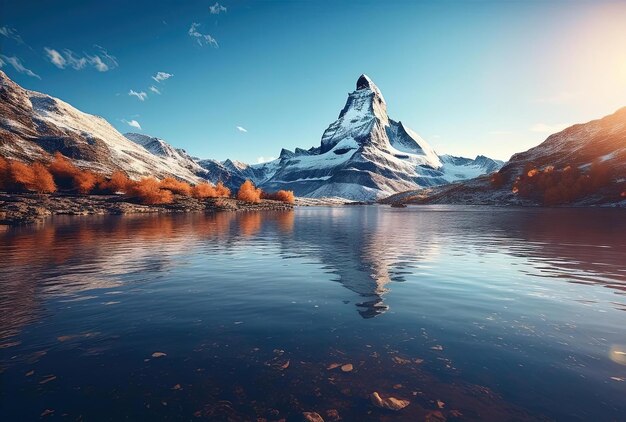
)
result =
(21, 176)
(497, 180)
(118, 182)
(84, 181)
(42, 179)
(206, 190)
(203, 190)
(221, 190)
(69, 177)
(176, 186)
(282, 196)
(551, 186)
(63, 171)
(249, 193)
(4, 173)
(148, 191)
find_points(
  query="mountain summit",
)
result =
(364, 155)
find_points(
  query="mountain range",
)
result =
(363, 155)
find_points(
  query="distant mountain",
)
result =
(584, 164)
(363, 155)
(33, 126)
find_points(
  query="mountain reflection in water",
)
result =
(484, 279)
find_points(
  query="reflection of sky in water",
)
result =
(527, 302)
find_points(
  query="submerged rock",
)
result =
(312, 417)
(390, 403)
(347, 367)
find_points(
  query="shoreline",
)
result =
(29, 208)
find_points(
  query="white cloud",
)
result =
(17, 65)
(162, 76)
(242, 129)
(260, 160)
(102, 61)
(97, 62)
(140, 95)
(500, 132)
(217, 8)
(202, 39)
(155, 90)
(133, 123)
(11, 33)
(548, 128)
(56, 58)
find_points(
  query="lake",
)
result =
(470, 313)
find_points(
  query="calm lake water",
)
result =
(498, 314)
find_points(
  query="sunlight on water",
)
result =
(496, 313)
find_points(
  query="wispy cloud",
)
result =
(17, 65)
(242, 129)
(500, 132)
(102, 61)
(548, 128)
(133, 123)
(217, 8)
(11, 33)
(162, 76)
(155, 90)
(261, 159)
(202, 39)
(141, 96)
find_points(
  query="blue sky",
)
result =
(472, 77)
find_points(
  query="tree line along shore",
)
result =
(36, 191)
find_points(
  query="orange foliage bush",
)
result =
(63, 171)
(552, 187)
(282, 195)
(42, 181)
(118, 182)
(221, 190)
(176, 186)
(21, 176)
(84, 181)
(148, 191)
(203, 190)
(4, 173)
(69, 177)
(497, 180)
(206, 190)
(249, 193)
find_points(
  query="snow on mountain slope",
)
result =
(460, 168)
(173, 156)
(34, 125)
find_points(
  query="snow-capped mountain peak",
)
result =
(363, 155)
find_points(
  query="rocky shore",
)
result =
(17, 209)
